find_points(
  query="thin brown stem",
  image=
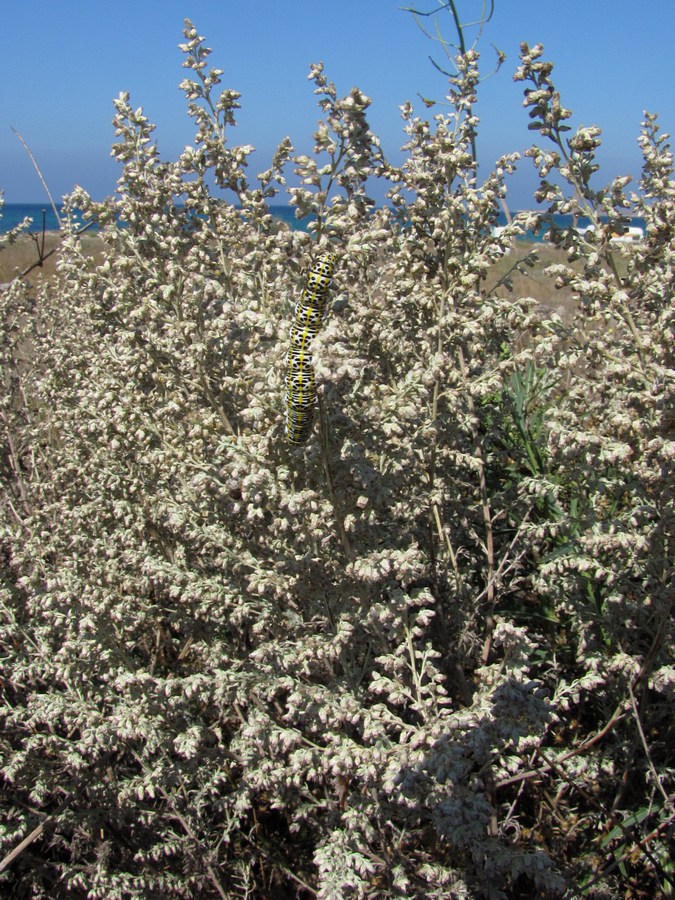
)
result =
(645, 746)
(43, 257)
(616, 716)
(486, 513)
(9, 858)
(48, 820)
(37, 169)
(325, 456)
(595, 804)
(620, 859)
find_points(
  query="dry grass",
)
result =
(18, 257)
(532, 282)
(25, 252)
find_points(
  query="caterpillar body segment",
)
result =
(321, 272)
(301, 383)
(299, 419)
(324, 264)
(298, 361)
(315, 298)
(308, 316)
(299, 424)
(303, 380)
(301, 336)
(318, 282)
(307, 320)
(299, 436)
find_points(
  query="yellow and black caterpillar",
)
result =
(309, 313)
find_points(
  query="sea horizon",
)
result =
(12, 214)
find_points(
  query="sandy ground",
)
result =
(27, 251)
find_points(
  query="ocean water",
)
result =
(12, 214)
(43, 215)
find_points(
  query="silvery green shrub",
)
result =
(428, 654)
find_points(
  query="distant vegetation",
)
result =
(428, 654)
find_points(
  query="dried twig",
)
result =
(611, 816)
(657, 781)
(487, 516)
(620, 859)
(37, 169)
(43, 257)
(616, 716)
(48, 820)
(26, 842)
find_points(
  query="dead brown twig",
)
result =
(37, 169)
(50, 819)
(42, 258)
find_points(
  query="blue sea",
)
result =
(43, 215)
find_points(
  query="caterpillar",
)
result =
(307, 320)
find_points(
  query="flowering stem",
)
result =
(485, 511)
(325, 456)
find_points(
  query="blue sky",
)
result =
(63, 62)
